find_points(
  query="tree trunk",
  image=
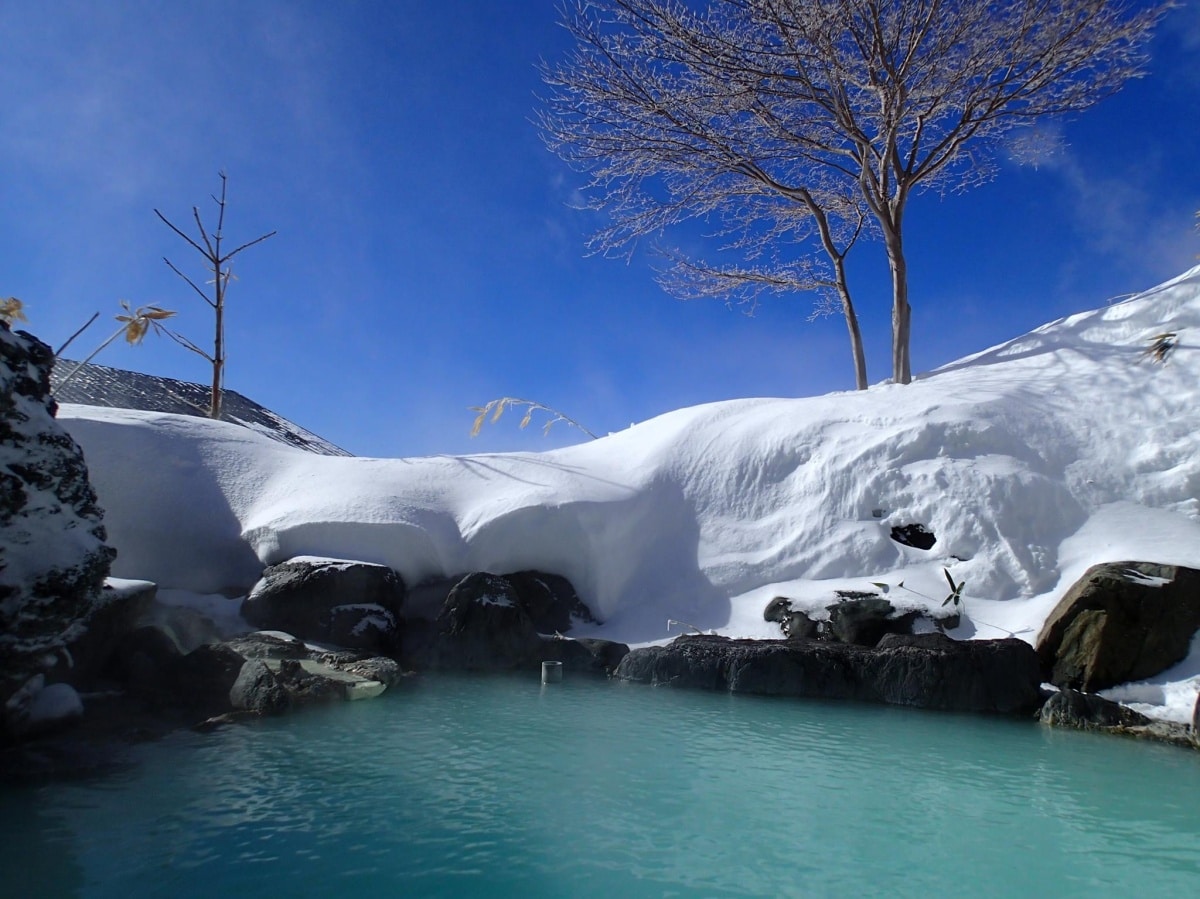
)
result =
(856, 345)
(901, 311)
(218, 360)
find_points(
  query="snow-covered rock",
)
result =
(53, 555)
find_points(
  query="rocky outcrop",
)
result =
(1086, 711)
(352, 604)
(482, 627)
(53, 556)
(864, 622)
(267, 674)
(1122, 621)
(926, 671)
(490, 622)
(859, 618)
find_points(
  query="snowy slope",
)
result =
(1029, 461)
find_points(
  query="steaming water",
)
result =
(501, 787)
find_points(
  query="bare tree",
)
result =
(217, 262)
(799, 123)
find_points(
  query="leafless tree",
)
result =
(217, 263)
(797, 124)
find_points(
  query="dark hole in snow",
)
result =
(915, 535)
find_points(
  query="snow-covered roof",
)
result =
(99, 385)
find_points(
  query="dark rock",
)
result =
(46, 596)
(256, 689)
(204, 677)
(145, 660)
(550, 601)
(863, 622)
(1120, 622)
(793, 623)
(271, 673)
(377, 668)
(363, 626)
(926, 671)
(1087, 711)
(483, 627)
(305, 687)
(914, 535)
(113, 617)
(329, 600)
(269, 646)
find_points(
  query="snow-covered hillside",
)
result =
(1029, 462)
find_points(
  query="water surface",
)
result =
(458, 786)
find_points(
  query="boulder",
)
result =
(915, 535)
(37, 709)
(116, 614)
(268, 673)
(1087, 711)
(256, 689)
(794, 624)
(925, 671)
(550, 601)
(863, 622)
(55, 556)
(355, 604)
(145, 660)
(483, 627)
(1122, 621)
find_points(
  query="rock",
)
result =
(926, 671)
(353, 604)
(114, 616)
(1087, 711)
(863, 622)
(204, 678)
(793, 623)
(268, 673)
(145, 660)
(55, 557)
(550, 601)
(37, 709)
(914, 535)
(483, 627)
(256, 689)
(1122, 621)
(366, 626)
(1196, 721)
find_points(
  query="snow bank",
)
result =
(1029, 461)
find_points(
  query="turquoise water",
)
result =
(501, 787)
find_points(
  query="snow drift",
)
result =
(1029, 462)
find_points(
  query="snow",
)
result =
(1029, 461)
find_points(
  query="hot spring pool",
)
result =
(457, 786)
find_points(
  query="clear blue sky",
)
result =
(428, 255)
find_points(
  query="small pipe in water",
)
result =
(552, 672)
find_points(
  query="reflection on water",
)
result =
(504, 787)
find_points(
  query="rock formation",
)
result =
(1122, 621)
(53, 556)
(926, 671)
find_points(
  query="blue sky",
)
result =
(429, 255)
